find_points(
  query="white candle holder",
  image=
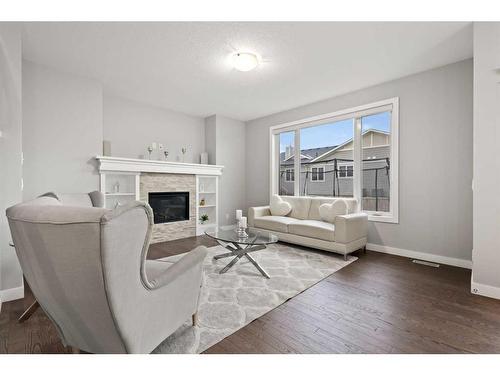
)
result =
(241, 230)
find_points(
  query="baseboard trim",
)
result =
(12, 294)
(485, 290)
(457, 262)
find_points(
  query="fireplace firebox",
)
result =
(169, 206)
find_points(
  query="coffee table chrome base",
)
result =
(239, 252)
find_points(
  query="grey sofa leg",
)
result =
(364, 249)
(345, 257)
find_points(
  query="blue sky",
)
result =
(335, 133)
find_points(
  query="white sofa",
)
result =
(304, 225)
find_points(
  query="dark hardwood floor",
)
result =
(379, 304)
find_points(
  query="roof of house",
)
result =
(306, 155)
(314, 154)
(334, 149)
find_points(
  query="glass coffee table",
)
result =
(240, 247)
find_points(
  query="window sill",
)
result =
(383, 218)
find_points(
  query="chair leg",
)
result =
(195, 319)
(28, 312)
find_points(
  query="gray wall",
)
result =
(231, 154)
(211, 139)
(66, 118)
(62, 131)
(486, 255)
(225, 144)
(132, 126)
(435, 213)
(10, 151)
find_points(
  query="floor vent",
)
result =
(430, 264)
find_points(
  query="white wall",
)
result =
(132, 126)
(62, 131)
(486, 254)
(11, 279)
(225, 144)
(435, 134)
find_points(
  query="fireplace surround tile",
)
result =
(170, 182)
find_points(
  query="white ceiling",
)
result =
(185, 67)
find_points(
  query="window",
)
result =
(353, 152)
(286, 163)
(317, 174)
(323, 147)
(376, 156)
(346, 171)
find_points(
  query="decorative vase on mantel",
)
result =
(184, 150)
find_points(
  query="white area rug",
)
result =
(232, 300)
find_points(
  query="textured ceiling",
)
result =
(184, 66)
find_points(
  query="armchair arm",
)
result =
(254, 212)
(192, 259)
(351, 227)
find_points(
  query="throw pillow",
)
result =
(279, 207)
(328, 211)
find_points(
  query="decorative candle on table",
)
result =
(242, 226)
(239, 215)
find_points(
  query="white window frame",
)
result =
(340, 165)
(355, 113)
(317, 167)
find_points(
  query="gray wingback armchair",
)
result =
(87, 268)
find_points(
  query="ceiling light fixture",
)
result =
(245, 61)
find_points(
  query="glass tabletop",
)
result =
(255, 236)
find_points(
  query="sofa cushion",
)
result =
(316, 202)
(279, 207)
(313, 229)
(328, 211)
(300, 206)
(274, 223)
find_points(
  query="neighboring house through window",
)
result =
(361, 142)
(317, 174)
(346, 171)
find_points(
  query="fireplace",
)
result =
(169, 206)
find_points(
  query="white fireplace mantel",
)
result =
(120, 182)
(115, 164)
